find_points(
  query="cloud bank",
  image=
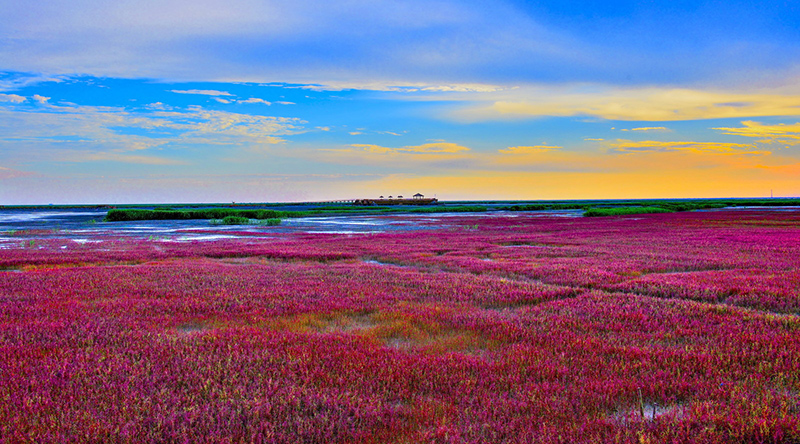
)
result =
(442, 45)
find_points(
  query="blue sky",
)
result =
(252, 100)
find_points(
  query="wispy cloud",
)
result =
(255, 100)
(13, 98)
(17, 80)
(648, 128)
(202, 92)
(9, 173)
(210, 126)
(651, 146)
(404, 87)
(780, 133)
(460, 45)
(91, 133)
(535, 149)
(427, 148)
(158, 106)
(428, 158)
(647, 104)
(125, 158)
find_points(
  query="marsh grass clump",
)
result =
(621, 211)
(455, 209)
(593, 208)
(544, 207)
(127, 215)
(241, 220)
(235, 220)
(231, 220)
(137, 214)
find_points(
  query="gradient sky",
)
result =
(257, 100)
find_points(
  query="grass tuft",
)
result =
(620, 211)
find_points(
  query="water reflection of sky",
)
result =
(38, 218)
(87, 226)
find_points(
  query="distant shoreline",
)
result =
(729, 201)
(590, 209)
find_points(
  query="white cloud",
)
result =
(225, 127)
(13, 98)
(263, 41)
(22, 80)
(404, 87)
(90, 133)
(40, 99)
(254, 100)
(632, 104)
(427, 148)
(202, 92)
(158, 106)
(650, 128)
(434, 45)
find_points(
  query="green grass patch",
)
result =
(235, 220)
(238, 220)
(620, 211)
(591, 208)
(544, 207)
(655, 207)
(456, 209)
(135, 214)
(127, 215)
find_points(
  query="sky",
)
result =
(170, 101)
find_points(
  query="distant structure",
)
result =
(417, 199)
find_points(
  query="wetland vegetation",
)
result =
(669, 327)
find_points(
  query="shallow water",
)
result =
(384, 264)
(649, 412)
(86, 225)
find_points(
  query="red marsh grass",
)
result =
(678, 328)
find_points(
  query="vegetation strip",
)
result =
(123, 215)
(591, 209)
